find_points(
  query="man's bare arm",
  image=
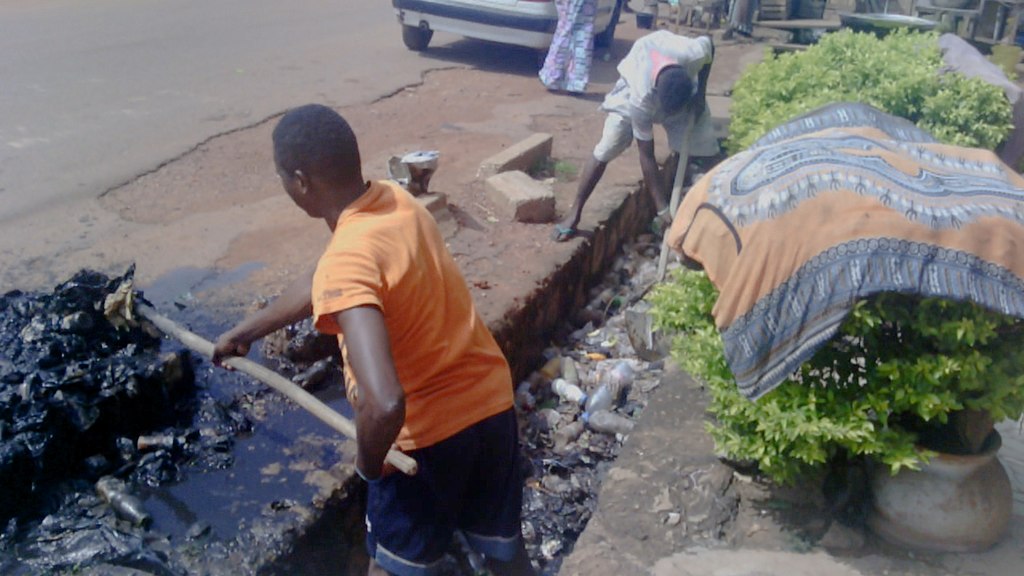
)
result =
(649, 168)
(293, 305)
(380, 406)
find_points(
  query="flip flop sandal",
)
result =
(563, 233)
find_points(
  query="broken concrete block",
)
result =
(523, 155)
(518, 197)
(719, 107)
(437, 204)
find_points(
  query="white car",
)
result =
(529, 23)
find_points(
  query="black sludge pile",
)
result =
(92, 416)
(71, 385)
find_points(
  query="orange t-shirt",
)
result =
(386, 251)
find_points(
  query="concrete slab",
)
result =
(719, 107)
(519, 197)
(522, 155)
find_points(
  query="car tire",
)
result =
(416, 38)
(607, 36)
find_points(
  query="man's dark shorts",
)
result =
(471, 482)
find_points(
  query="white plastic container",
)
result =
(568, 392)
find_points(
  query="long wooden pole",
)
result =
(310, 403)
(677, 193)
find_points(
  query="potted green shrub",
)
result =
(889, 387)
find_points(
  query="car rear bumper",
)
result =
(494, 24)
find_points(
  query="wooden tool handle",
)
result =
(677, 195)
(310, 403)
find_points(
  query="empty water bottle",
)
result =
(622, 374)
(614, 385)
(604, 398)
(608, 422)
(566, 434)
(569, 372)
(569, 392)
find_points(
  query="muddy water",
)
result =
(180, 286)
(273, 461)
(269, 465)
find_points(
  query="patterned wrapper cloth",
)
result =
(835, 206)
(567, 65)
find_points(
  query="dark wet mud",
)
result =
(118, 449)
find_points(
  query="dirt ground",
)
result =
(217, 214)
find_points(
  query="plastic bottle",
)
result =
(568, 433)
(130, 508)
(568, 392)
(622, 374)
(125, 505)
(569, 372)
(609, 394)
(146, 443)
(608, 422)
(604, 398)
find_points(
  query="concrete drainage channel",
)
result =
(567, 459)
(219, 501)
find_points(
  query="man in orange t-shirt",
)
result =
(422, 369)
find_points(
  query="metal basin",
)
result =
(878, 22)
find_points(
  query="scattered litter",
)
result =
(595, 365)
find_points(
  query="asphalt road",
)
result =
(94, 94)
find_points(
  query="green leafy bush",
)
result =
(898, 362)
(898, 74)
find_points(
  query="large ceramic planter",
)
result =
(953, 504)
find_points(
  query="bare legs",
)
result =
(591, 175)
(589, 178)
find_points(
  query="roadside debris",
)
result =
(578, 408)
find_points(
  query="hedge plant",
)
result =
(898, 74)
(898, 361)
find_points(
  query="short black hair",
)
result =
(317, 140)
(675, 89)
